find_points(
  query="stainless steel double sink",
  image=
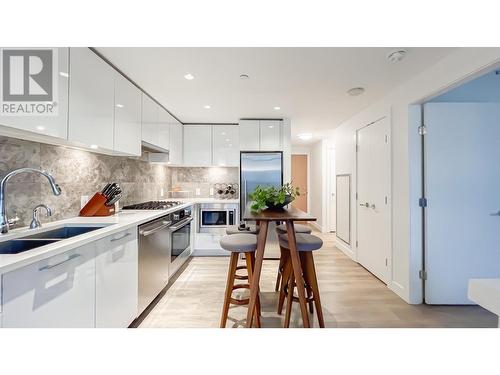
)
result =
(32, 241)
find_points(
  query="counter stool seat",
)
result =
(250, 229)
(299, 228)
(305, 242)
(237, 244)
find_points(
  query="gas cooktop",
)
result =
(152, 205)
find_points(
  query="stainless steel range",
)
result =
(164, 245)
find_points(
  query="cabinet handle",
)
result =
(119, 238)
(49, 266)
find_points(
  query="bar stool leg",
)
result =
(287, 272)
(309, 291)
(283, 259)
(233, 263)
(311, 279)
(289, 300)
(250, 259)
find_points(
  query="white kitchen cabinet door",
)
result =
(52, 293)
(197, 145)
(164, 121)
(54, 125)
(270, 135)
(226, 150)
(249, 135)
(127, 131)
(116, 280)
(91, 108)
(150, 112)
(176, 143)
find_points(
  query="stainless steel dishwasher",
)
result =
(154, 259)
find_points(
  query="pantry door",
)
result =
(299, 179)
(373, 198)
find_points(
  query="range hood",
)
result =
(155, 154)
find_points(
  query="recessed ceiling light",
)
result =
(119, 105)
(223, 133)
(244, 76)
(228, 140)
(189, 76)
(64, 74)
(40, 127)
(396, 56)
(277, 108)
(93, 146)
(304, 136)
(355, 91)
(207, 106)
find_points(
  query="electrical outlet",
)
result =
(198, 191)
(211, 191)
(162, 193)
(83, 200)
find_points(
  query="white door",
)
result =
(197, 145)
(332, 199)
(92, 93)
(226, 148)
(463, 198)
(127, 132)
(270, 135)
(373, 204)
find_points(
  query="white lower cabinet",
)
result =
(116, 280)
(55, 292)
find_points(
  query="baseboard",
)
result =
(342, 246)
(317, 226)
(399, 289)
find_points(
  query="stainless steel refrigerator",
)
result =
(261, 169)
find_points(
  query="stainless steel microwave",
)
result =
(217, 215)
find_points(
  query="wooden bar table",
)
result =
(287, 215)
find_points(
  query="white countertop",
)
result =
(486, 293)
(207, 200)
(113, 224)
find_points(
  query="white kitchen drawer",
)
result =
(56, 292)
(117, 279)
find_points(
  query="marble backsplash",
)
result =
(191, 178)
(78, 173)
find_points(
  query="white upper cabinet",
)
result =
(270, 135)
(197, 145)
(54, 125)
(249, 135)
(226, 150)
(176, 143)
(127, 132)
(149, 120)
(91, 107)
(164, 121)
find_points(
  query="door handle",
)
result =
(495, 214)
(372, 206)
(366, 204)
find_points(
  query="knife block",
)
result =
(96, 207)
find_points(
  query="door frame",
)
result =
(308, 155)
(389, 195)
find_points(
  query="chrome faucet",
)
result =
(5, 223)
(35, 223)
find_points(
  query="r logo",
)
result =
(27, 75)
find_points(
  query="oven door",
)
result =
(214, 218)
(180, 243)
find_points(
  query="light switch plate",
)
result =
(198, 191)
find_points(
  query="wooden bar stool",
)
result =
(239, 244)
(306, 244)
(284, 254)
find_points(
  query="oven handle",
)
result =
(145, 233)
(180, 224)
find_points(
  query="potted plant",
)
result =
(272, 197)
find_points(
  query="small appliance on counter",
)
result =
(226, 191)
(103, 202)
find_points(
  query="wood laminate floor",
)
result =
(351, 297)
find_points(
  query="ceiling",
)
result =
(308, 84)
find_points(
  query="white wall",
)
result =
(406, 215)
